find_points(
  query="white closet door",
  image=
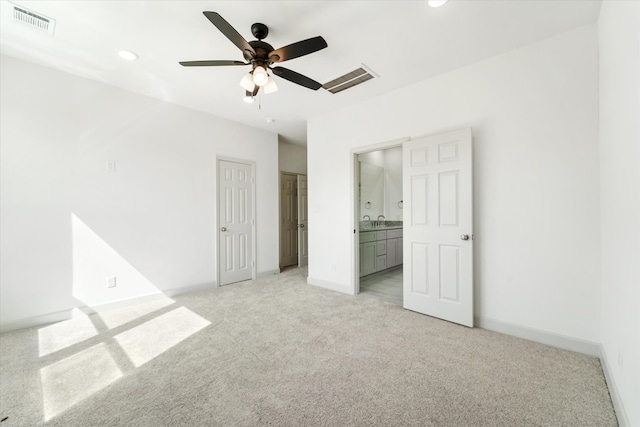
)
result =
(236, 221)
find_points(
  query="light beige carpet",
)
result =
(279, 352)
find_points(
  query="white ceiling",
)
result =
(401, 41)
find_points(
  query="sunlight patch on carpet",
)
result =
(120, 316)
(63, 334)
(75, 378)
(152, 338)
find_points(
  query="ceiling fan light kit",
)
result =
(247, 83)
(271, 86)
(260, 76)
(261, 56)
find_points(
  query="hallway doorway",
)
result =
(294, 227)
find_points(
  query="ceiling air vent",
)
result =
(33, 19)
(349, 80)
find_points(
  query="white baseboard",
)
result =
(345, 289)
(556, 340)
(268, 273)
(561, 341)
(114, 305)
(40, 320)
(188, 289)
(621, 413)
(47, 319)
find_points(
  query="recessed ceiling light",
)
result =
(270, 120)
(436, 3)
(129, 55)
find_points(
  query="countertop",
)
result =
(379, 228)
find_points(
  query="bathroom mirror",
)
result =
(381, 184)
(371, 190)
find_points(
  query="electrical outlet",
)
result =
(111, 282)
(111, 165)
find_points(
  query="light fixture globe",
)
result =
(247, 83)
(271, 86)
(260, 76)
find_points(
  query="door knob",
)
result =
(223, 229)
(464, 237)
(301, 225)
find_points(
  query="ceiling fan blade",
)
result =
(230, 32)
(298, 49)
(210, 63)
(296, 78)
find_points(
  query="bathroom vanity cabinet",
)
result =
(380, 249)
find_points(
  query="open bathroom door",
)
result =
(438, 221)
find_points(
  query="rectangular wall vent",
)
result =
(349, 80)
(33, 19)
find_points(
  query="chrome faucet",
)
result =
(366, 218)
(378, 222)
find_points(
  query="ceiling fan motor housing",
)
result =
(262, 50)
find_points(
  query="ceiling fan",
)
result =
(261, 56)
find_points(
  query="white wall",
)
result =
(292, 158)
(619, 39)
(156, 214)
(534, 114)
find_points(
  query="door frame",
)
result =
(254, 251)
(280, 214)
(280, 179)
(355, 208)
(302, 226)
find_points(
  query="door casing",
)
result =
(300, 207)
(303, 221)
(291, 259)
(355, 209)
(355, 249)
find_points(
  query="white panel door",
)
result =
(437, 215)
(289, 220)
(235, 215)
(303, 222)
